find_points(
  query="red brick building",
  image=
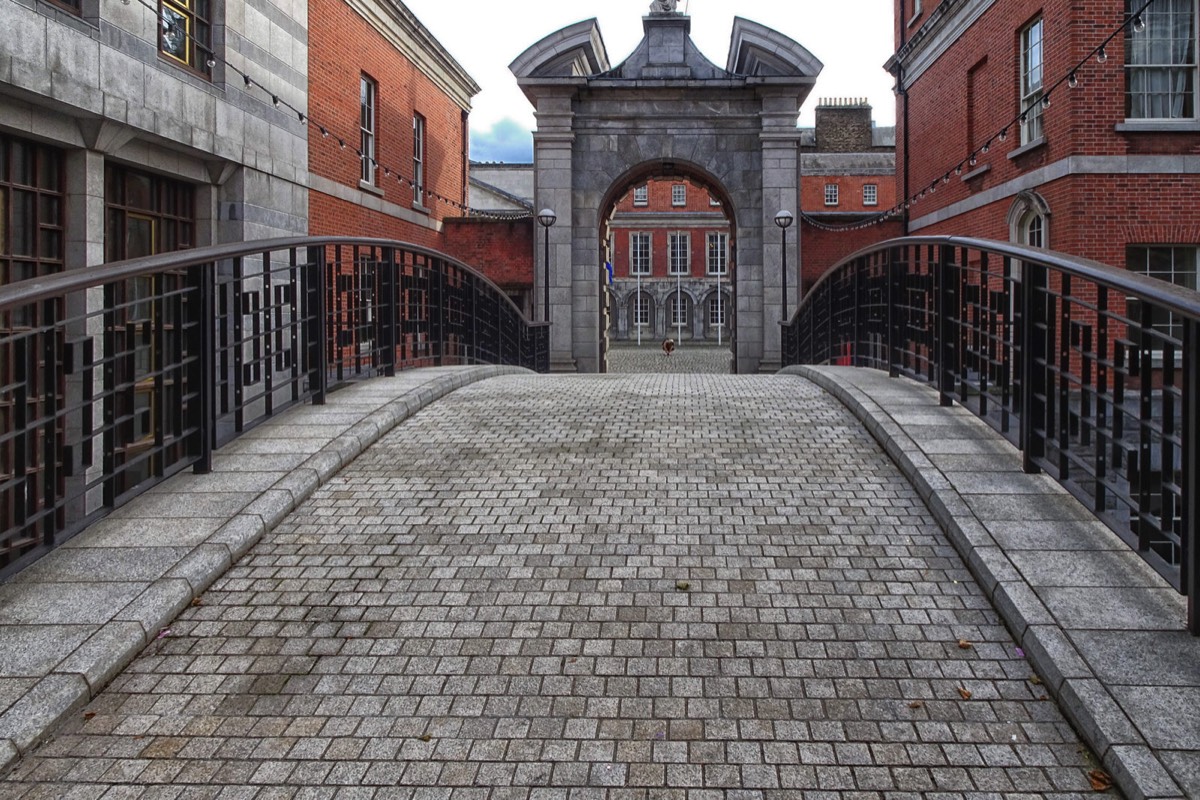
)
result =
(392, 158)
(672, 256)
(847, 178)
(1105, 164)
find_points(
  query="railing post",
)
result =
(856, 290)
(1033, 377)
(316, 287)
(51, 409)
(207, 369)
(1189, 533)
(388, 312)
(437, 310)
(942, 284)
(893, 310)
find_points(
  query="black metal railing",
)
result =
(116, 377)
(1093, 372)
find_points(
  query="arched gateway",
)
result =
(666, 110)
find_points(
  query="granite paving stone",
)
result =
(653, 586)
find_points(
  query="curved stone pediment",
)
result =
(758, 51)
(573, 52)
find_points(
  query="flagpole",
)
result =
(637, 308)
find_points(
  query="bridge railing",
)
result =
(115, 377)
(1093, 372)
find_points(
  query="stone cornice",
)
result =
(947, 22)
(398, 26)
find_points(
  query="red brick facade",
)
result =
(698, 215)
(342, 49)
(1093, 180)
(500, 249)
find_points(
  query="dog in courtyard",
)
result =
(668, 346)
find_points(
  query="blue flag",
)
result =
(608, 266)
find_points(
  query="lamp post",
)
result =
(784, 220)
(546, 218)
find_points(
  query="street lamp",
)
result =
(784, 220)
(546, 218)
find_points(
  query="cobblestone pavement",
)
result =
(626, 359)
(626, 587)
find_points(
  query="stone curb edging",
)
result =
(1092, 710)
(83, 673)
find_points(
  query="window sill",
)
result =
(421, 209)
(1158, 126)
(978, 172)
(1027, 148)
(370, 187)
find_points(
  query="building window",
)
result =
(679, 311)
(870, 194)
(186, 33)
(716, 310)
(1031, 82)
(714, 202)
(1171, 263)
(639, 254)
(367, 93)
(831, 194)
(679, 194)
(718, 253)
(31, 210)
(1160, 61)
(679, 246)
(641, 311)
(641, 195)
(418, 159)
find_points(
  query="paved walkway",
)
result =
(649, 587)
(625, 358)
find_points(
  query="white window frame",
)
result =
(679, 253)
(870, 194)
(679, 310)
(418, 159)
(368, 101)
(1143, 266)
(831, 194)
(1031, 80)
(713, 202)
(679, 194)
(716, 310)
(636, 265)
(641, 196)
(718, 253)
(1171, 99)
(641, 310)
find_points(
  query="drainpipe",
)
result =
(904, 95)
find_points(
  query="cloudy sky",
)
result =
(851, 37)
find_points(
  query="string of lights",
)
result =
(326, 131)
(1070, 80)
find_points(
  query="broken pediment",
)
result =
(573, 52)
(758, 51)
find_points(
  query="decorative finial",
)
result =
(663, 7)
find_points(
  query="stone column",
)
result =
(780, 191)
(552, 149)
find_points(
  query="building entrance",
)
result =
(666, 111)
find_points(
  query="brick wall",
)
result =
(850, 193)
(659, 259)
(341, 49)
(971, 91)
(500, 249)
(659, 192)
(820, 250)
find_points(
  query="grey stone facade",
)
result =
(96, 85)
(665, 110)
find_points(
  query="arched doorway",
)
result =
(666, 109)
(668, 244)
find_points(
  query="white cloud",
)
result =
(507, 140)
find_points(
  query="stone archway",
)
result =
(666, 105)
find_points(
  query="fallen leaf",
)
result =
(165, 632)
(966, 693)
(1020, 652)
(682, 586)
(963, 644)
(1101, 781)
(425, 737)
(916, 704)
(197, 601)
(89, 714)
(1035, 680)
(1043, 697)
